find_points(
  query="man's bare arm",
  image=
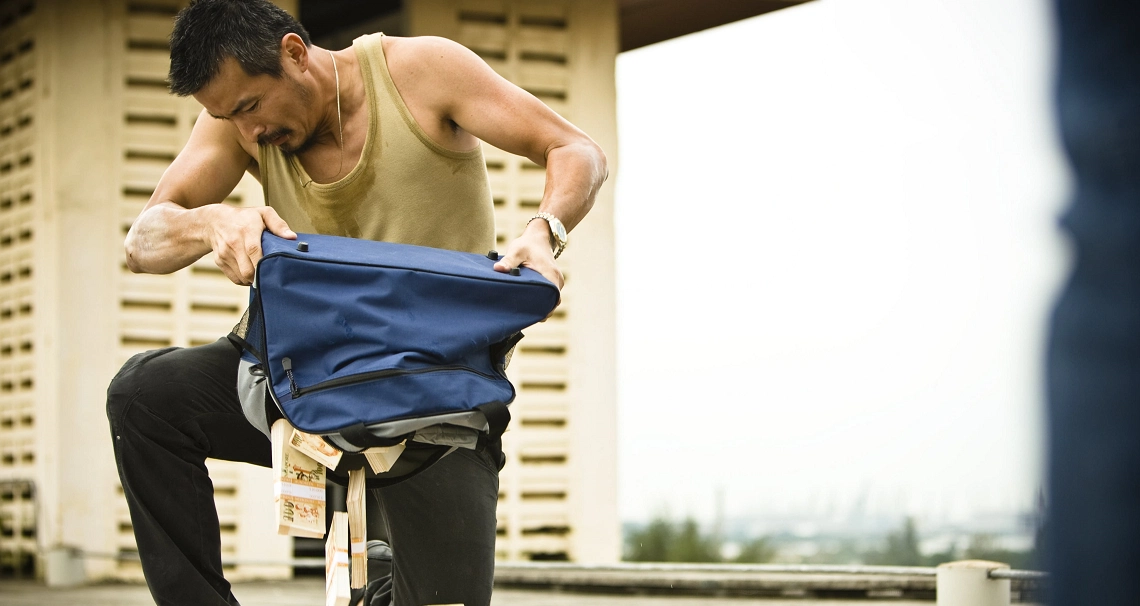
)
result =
(459, 86)
(184, 219)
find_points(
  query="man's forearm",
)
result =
(167, 237)
(574, 174)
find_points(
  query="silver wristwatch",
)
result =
(557, 229)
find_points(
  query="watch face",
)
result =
(559, 230)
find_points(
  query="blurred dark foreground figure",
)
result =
(1093, 369)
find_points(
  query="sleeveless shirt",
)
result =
(406, 188)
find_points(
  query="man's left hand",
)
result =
(532, 249)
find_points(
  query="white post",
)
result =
(967, 583)
(63, 567)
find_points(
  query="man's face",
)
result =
(265, 110)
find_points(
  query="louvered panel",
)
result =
(211, 288)
(541, 450)
(535, 483)
(19, 163)
(196, 337)
(551, 333)
(542, 12)
(468, 10)
(151, 139)
(145, 288)
(151, 104)
(147, 66)
(543, 547)
(17, 519)
(499, 181)
(129, 208)
(543, 512)
(543, 79)
(540, 374)
(531, 183)
(141, 175)
(549, 44)
(151, 28)
(147, 330)
(542, 405)
(484, 37)
(545, 520)
(204, 330)
(217, 302)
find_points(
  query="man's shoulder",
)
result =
(414, 51)
(214, 134)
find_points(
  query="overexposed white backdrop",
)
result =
(836, 253)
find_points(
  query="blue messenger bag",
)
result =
(371, 343)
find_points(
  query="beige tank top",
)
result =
(405, 189)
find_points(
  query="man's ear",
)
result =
(293, 50)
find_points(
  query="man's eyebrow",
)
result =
(237, 108)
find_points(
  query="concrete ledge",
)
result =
(762, 580)
(722, 582)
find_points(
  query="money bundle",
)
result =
(316, 448)
(382, 458)
(298, 487)
(337, 591)
(357, 528)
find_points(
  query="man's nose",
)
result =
(249, 129)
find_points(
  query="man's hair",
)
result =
(207, 32)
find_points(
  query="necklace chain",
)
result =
(339, 124)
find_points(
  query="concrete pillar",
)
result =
(967, 583)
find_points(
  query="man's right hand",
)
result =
(235, 237)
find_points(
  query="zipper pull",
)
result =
(287, 364)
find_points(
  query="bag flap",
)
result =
(347, 306)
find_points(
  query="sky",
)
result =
(837, 248)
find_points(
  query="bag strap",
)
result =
(383, 482)
(243, 345)
(359, 437)
(498, 417)
(497, 414)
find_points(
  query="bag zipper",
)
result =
(297, 392)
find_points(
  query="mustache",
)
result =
(273, 136)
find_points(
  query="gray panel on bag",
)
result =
(448, 435)
(424, 428)
(251, 394)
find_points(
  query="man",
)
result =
(376, 141)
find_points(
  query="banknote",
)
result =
(357, 528)
(298, 489)
(382, 458)
(337, 591)
(316, 448)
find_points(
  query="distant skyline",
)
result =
(836, 252)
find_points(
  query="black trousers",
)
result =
(171, 409)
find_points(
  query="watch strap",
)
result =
(551, 221)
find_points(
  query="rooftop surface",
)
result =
(623, 584)
(311, 591)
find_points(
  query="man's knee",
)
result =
(135, 376)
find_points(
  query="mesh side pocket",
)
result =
(249, 332)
